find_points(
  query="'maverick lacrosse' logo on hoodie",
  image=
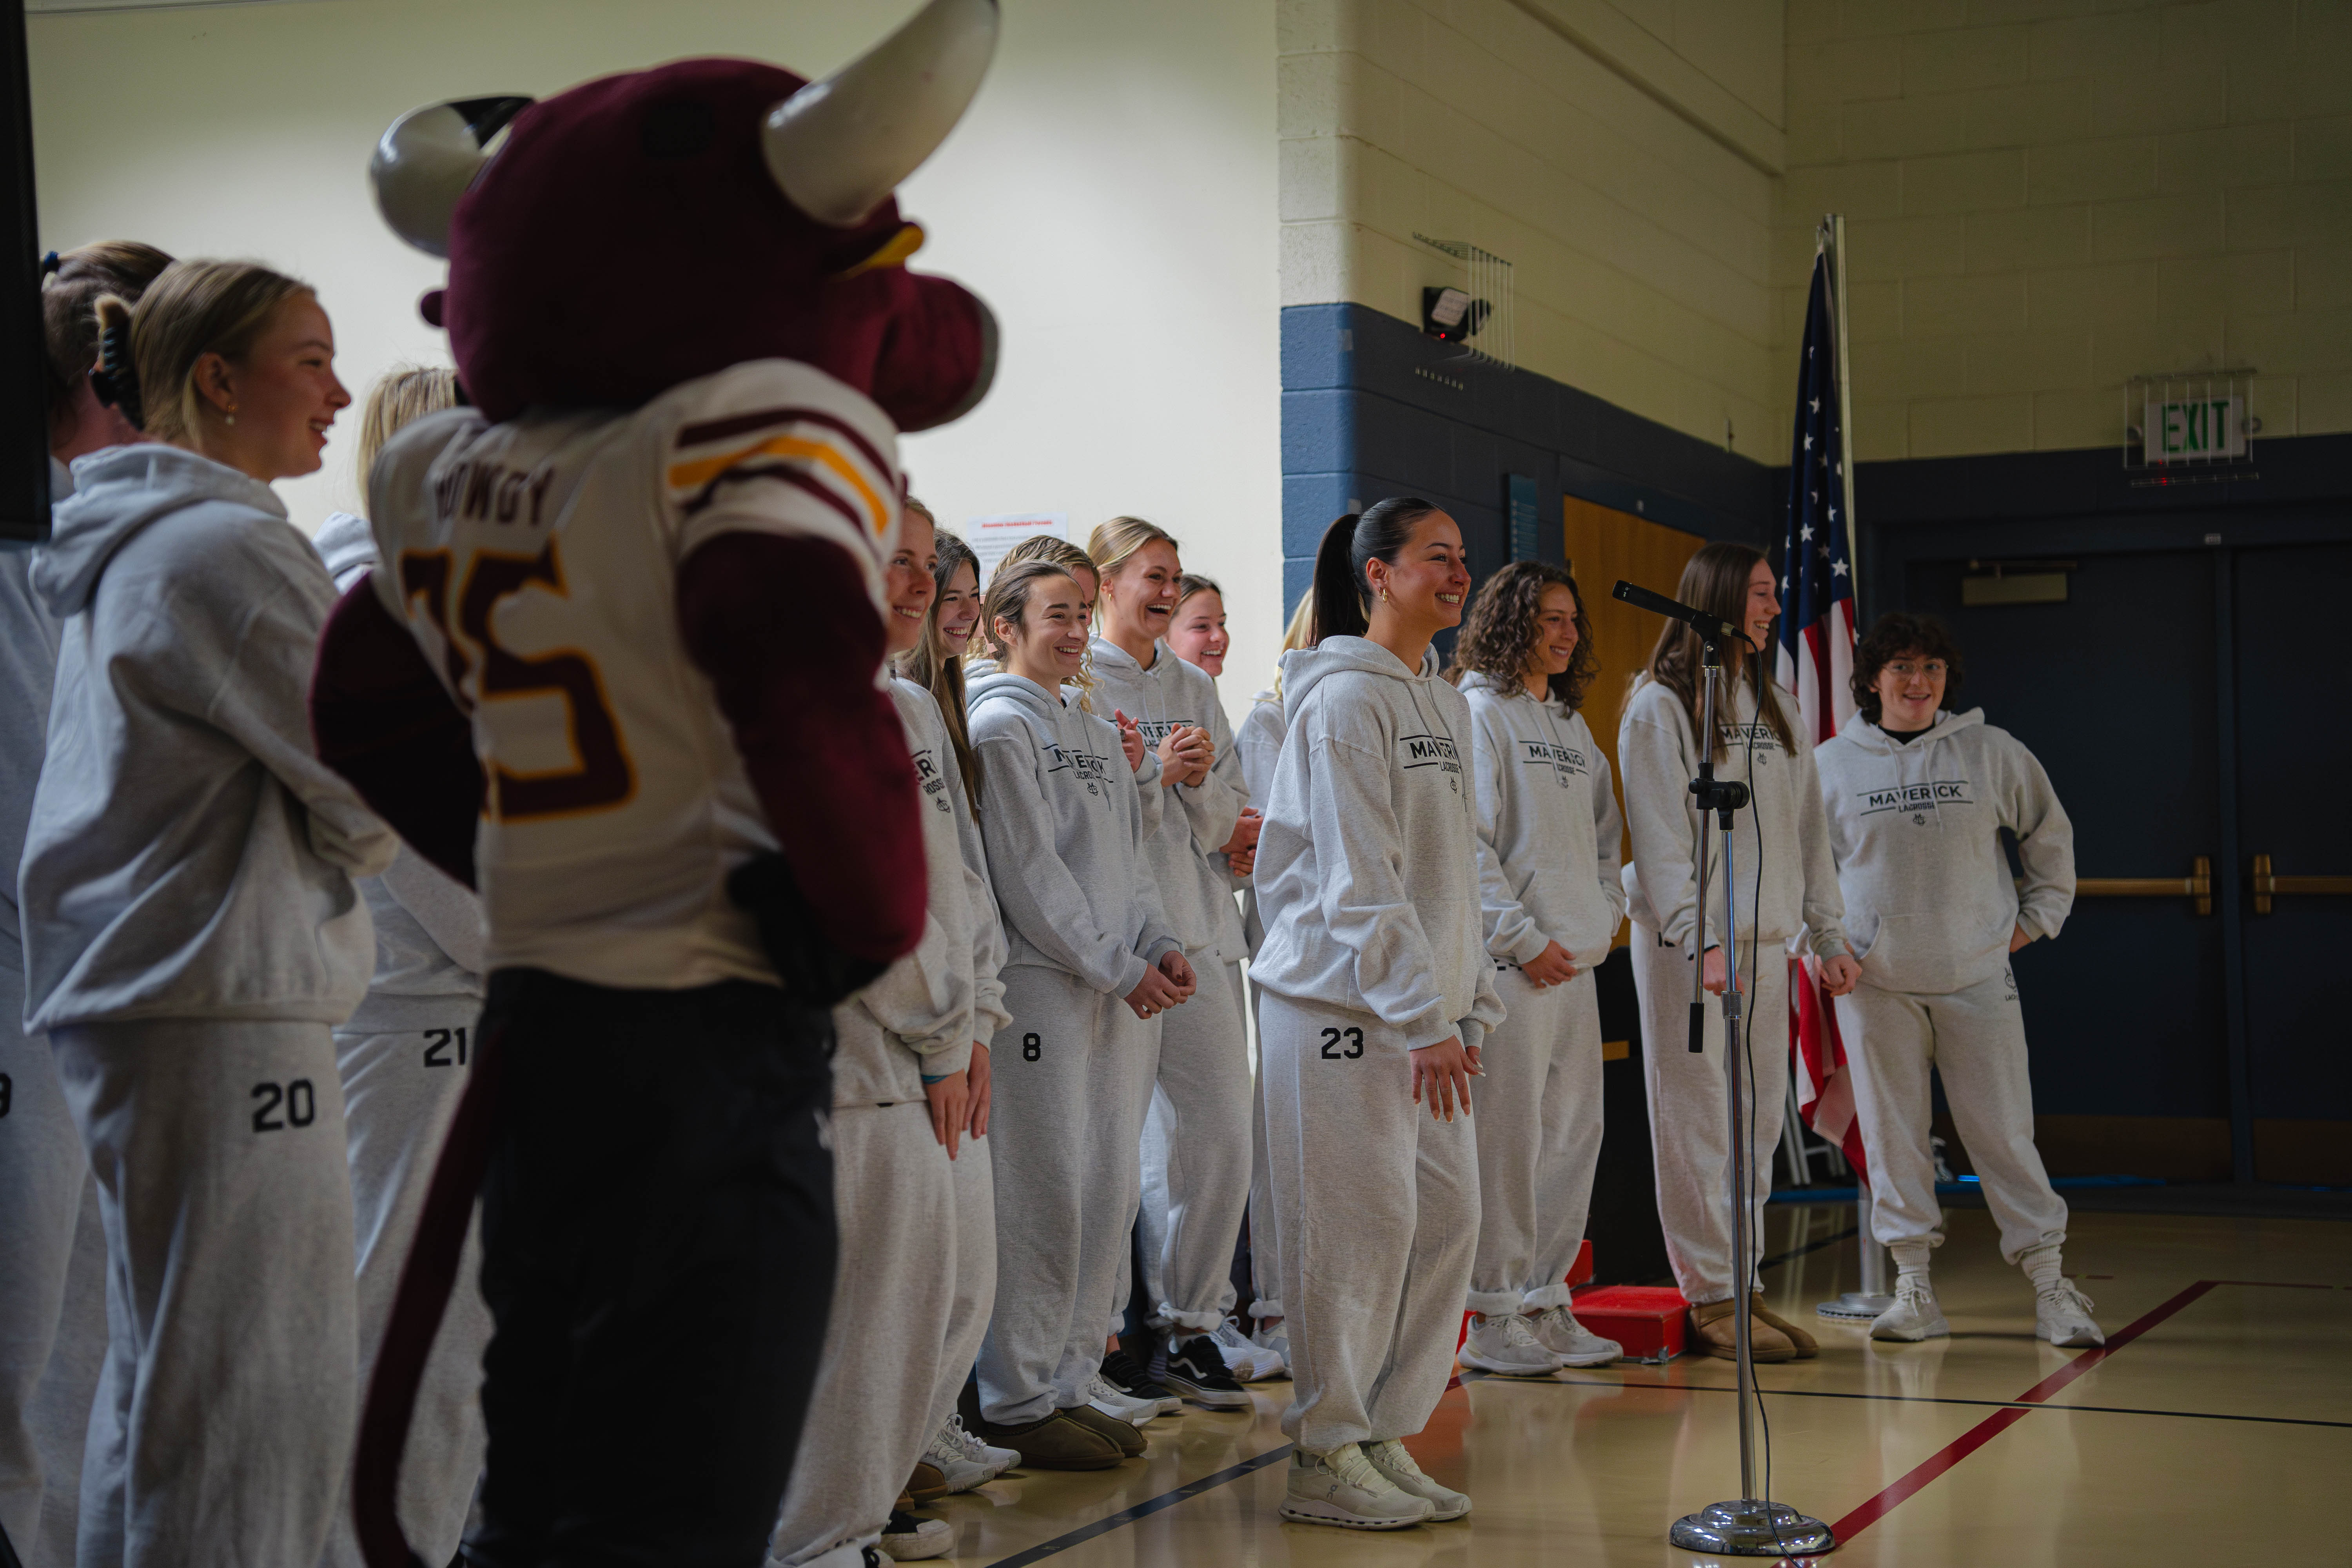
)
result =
(1916, 831)
(1370, 866)
(1064, 823)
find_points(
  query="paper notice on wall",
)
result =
(992, 537)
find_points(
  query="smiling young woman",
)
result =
(1377, 991)
(1196, 1152)
(1549, 819)
(1782, 845)
(1093, 963)
(205, 1085)
(1917, 798)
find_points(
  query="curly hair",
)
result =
(1500, 630)
(1895, 634)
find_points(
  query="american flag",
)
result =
(1815, 665)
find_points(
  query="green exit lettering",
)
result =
(2195, 428)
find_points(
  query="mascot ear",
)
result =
(428, 158)
(839, 147)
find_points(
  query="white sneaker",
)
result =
(1343, 1489)
(2062, 1315)
(1112, 1402)
(964, 1459)
(1247, 1360)
(1556, 1330)
(1396, 1465)
(1915, 1315)
(911, 1538)
(1504, 1344)
(1276, 1339)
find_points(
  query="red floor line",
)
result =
(2000, 1421)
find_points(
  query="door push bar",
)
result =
(2268, 886)
(2197, 885)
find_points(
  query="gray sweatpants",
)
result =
(1538, 1141)
(402, 1079)
(894, 1200)
(1072, 1073)
(974, 1295)
(1379, 1205)
(43, 1172)
(1976, 1039)
(223, 1419)
(1266, 1236)
(1197, 1151)
(1690, 1134)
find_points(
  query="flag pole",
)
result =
(1836, 226)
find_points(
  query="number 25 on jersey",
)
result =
(460, 608)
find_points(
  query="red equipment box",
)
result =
(1647, 1319)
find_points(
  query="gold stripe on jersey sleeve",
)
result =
(702, 470)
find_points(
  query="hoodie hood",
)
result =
(1304, 668)
(1862, 732)
(1003, 685)
(346, 543)
(118, 492)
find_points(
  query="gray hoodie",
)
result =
(917, 1021)
(1258, 744)
(1916, 831)
(1799, 887)
(188, 855)
(1367, 868)
(28, 668)
(429, 936)
(1063, 822)
(1548, 816)
(1194, 821)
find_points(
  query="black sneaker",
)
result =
(911, 1538)
(1197, 1370)
(1121, 1371)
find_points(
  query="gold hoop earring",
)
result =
(1384, 596)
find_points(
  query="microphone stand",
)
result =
(1749, 1526)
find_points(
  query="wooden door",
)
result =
(1604, 545)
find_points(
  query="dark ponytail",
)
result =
(1342, 599)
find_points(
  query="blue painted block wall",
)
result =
(1372, 408)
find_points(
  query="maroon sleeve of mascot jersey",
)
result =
(380, 719)
(786, 631)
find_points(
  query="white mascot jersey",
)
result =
(536, 563)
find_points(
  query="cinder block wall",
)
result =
(2046, 198)
(1621, 159)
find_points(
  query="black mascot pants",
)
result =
(658, 1237)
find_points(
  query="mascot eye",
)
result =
(679, 130)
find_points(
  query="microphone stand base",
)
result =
(1750, 1528)
(1854, 1307)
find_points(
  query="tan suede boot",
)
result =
(1807, 1347)
(1712, 1330)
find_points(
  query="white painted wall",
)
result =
(1112, 195)
(1630, 188)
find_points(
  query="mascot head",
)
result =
(645, 229)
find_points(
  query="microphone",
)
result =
(1714, 629)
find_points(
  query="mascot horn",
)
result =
(605, 245)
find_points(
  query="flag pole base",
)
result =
(1854, 1307)
(1750, 1528)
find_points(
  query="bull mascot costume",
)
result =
(617, 668)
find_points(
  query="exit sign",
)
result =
(2194, 429)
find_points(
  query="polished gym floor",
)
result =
(2215, 1427)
